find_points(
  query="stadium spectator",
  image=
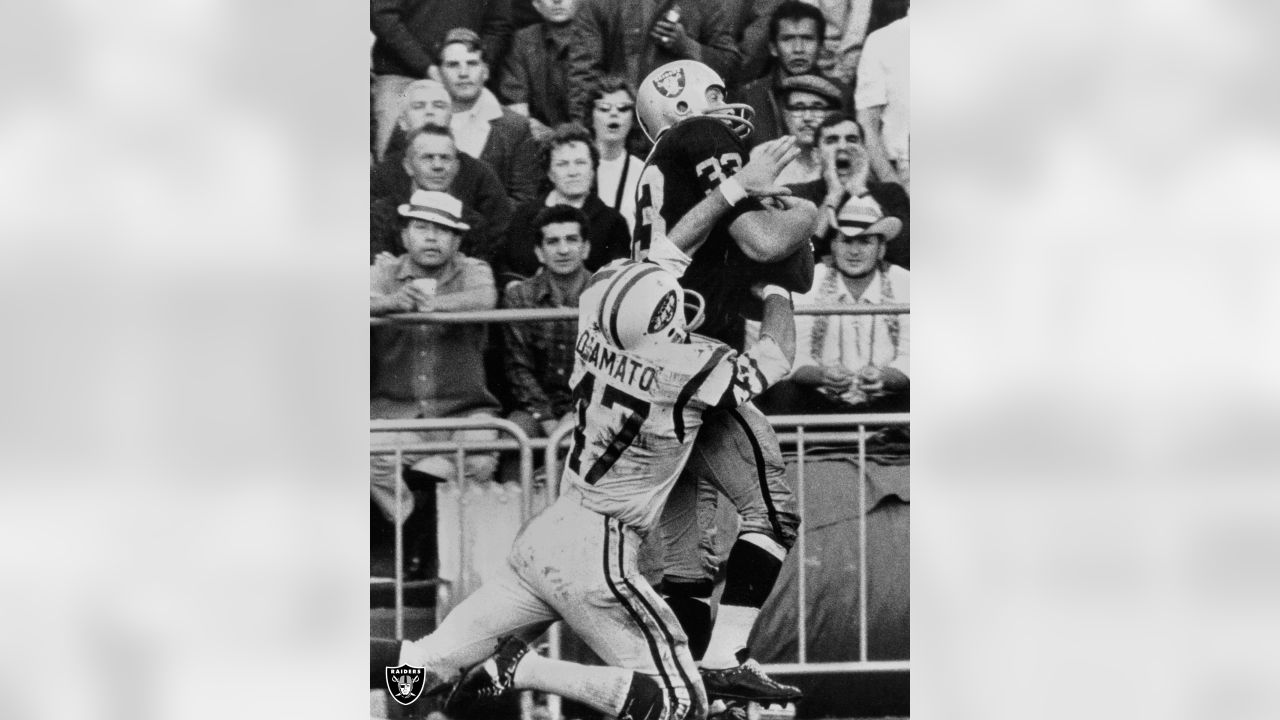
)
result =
(523, 14)
(569, 161)
(538, 357)
(481, 126)
(848, 23)
(428, 370)
(795, 34)
(535, 76)
(425, 103)
(851, 363)
(624, 38)
(807, 101)
(407, 39)
(751, 20)
(883, 99)
(845, 169)
(432, 162)
(613, 129)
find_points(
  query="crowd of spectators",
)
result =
(504, 162)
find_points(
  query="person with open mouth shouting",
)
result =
(612, 104)
(846, 173)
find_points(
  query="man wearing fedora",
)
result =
(428, 370)
(431, 161)
(852, 363)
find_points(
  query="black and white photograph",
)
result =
(640, 355)
(662, 421)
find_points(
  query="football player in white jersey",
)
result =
(641, 384)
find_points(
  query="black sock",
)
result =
(691, 603)
(750, 575)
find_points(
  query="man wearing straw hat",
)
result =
(428, 370)
(852, 362)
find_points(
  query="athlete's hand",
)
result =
(757, 289)
(790, 202)
(758, 175)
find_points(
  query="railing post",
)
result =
(802, 594)
(399, 544)
(863, 630)
(554, 639)
(804, 434)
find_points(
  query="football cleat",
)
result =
(488, 680)
(748, 682)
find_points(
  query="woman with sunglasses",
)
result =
(611, 111)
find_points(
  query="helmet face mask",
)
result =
(683, 89)
(695, 303)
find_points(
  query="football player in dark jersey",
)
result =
(695, 218)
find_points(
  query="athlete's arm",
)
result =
(774, 234)
(779, 320)
(756, 179)
(741, 377)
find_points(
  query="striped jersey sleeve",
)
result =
(735, 378)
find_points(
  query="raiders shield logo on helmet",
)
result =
(664, 312)
(670, 83)
(406, 683)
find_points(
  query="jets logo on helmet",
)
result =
(665, 311)
(683, 89)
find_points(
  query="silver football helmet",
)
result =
(644, 306)
(683, 89)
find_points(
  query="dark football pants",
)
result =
(736, 454)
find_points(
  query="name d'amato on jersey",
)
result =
(640, 409)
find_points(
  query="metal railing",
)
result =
(856, 432)
(465, 317)
(521, 443)
(851, 429)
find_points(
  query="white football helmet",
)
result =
(683, 89)
(644, 306)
